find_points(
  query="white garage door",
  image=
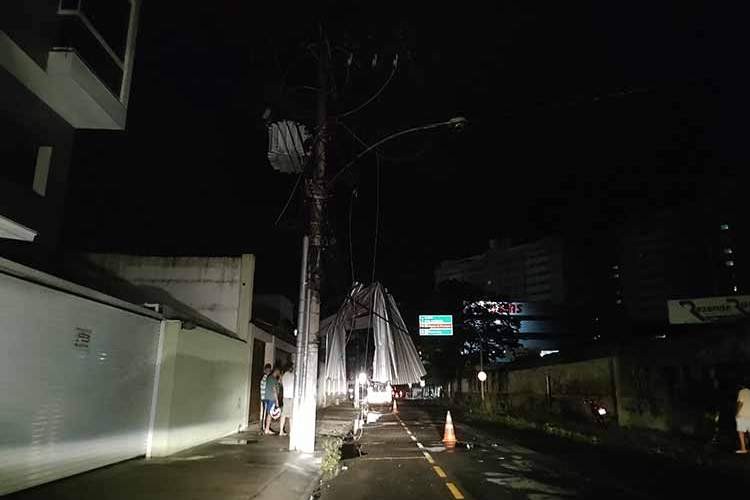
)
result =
(76, 379)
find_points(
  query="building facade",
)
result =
(532, 272)
(65, 65)
(682, 253)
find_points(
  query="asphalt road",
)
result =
(403, 457)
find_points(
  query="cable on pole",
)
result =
(377, 215)
(458, 122)
(351, 242)
(376, 94)
(289, 199)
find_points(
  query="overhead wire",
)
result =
(377, 216)
(289, 199)
(351, 242)
(389, 158)
(376, 94)
(454, 122)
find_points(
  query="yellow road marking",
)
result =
(439, 471)
(456, 492)
(428, 457)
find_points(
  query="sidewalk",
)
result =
(240, 466)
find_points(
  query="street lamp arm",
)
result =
(458, 122)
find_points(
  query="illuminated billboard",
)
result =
(435, 325)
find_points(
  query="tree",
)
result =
(479, 329)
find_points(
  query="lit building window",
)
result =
(618, 301)
(616, 275)
(724, 227)
(728, 251)
(729, 263)
(615, 268)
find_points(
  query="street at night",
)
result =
(235, 236)
(502, 463)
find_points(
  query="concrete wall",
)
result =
(676, 385)
(211, 286)
(202, 388)
(569, 385)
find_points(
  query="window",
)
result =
(729, 263)
(728, 251)
(724, 227)
(41, 171)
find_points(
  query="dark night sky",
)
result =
(580, 115)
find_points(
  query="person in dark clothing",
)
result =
(263, 402)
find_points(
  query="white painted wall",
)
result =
(76, 382)
(202, 391)
(209, 285)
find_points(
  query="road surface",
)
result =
(403, 457)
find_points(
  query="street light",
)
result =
(482, 376)
(358, 383)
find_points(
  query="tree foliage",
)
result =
(478, 330)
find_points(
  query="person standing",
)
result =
(263, 402)
(273, 388)
(287, 389)
(743, 416)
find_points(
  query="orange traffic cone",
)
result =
(395, 408)
(449, 436)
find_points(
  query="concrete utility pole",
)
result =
(302, 436)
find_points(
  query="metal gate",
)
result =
(76, 382)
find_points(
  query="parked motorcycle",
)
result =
(597, 411)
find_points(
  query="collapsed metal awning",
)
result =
(395, 360)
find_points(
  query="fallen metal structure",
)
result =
(370, 308)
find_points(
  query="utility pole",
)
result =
(302, 436)
(317, 186)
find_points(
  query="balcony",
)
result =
(12, 230)
(89, 65)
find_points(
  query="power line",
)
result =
(377, 215)
(389, 158)
(376, 94)
(457, 123)
(289, 199)
(351, 242)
